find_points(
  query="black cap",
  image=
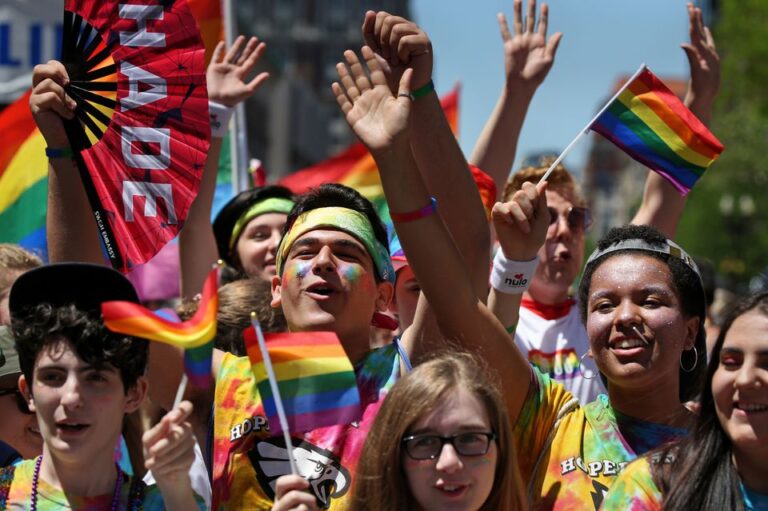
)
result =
(227, 217)
(84, 285)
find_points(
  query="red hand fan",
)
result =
(141, 132)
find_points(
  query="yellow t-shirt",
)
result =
(569, 454)
(634, 490)
(247, 461)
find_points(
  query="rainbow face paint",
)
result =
(352, 273)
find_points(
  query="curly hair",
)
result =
(559, 179)
(686, 282)
(44, 326)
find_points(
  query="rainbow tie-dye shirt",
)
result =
(247, 461)
(635, 490)
(50, 498)
(570, 455)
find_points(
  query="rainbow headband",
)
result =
(347, 220)
(270, 205)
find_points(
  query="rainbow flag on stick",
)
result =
(649, 123)
(195, 336)
(315, 381)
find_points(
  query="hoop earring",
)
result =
(581, 368)
(695, 361)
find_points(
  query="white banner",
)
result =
(30, 34)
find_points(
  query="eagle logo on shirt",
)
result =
(327, 478)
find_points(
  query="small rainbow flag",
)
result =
(316, 380)
(195, 336)
(648, 122)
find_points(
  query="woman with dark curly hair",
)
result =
(723, 464)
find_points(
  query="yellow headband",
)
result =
(347, 220)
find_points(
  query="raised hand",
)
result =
(50, 103)
(376, 115)
(399, 44)
(227, 73)
(704, 63)
(528, 55)
(521, 224)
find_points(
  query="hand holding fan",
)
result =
(141, 132)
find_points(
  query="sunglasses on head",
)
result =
(21, 404)
(578, 218)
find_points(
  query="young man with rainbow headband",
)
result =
(329, 280)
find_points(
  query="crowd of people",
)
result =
(546, 383)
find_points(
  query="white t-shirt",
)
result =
(553, 339)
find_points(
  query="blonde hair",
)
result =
(559, 179)
(380, 483)
(14, 260)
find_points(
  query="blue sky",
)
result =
(603, 40)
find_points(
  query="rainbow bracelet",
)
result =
(429, 209)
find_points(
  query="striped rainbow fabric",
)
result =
(317, 382)
(23, 178)
(652, 125)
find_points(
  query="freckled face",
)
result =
(629, 292)
(740, 384)
(80, 408)
(257, 245)
(452, 481)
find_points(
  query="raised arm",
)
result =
(401, 44)
(528, 57)
(662, 205)
(226, 76)
(70, 226)
(380, 119)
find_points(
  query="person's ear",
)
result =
(277, 297)
(27, 393)
(384, 294)
(136, 394)
(692, 326)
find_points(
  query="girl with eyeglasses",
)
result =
(442, 440)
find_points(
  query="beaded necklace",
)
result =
(36, 478)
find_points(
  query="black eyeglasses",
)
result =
(428, 447)
(579, 219)
(21, 404)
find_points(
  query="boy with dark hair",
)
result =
(81, 380)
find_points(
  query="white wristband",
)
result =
(512, 277)
(220, 116)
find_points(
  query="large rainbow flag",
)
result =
(648, 122)
(24, 167)
(354, 167)
(23, 178)
(316, 380)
